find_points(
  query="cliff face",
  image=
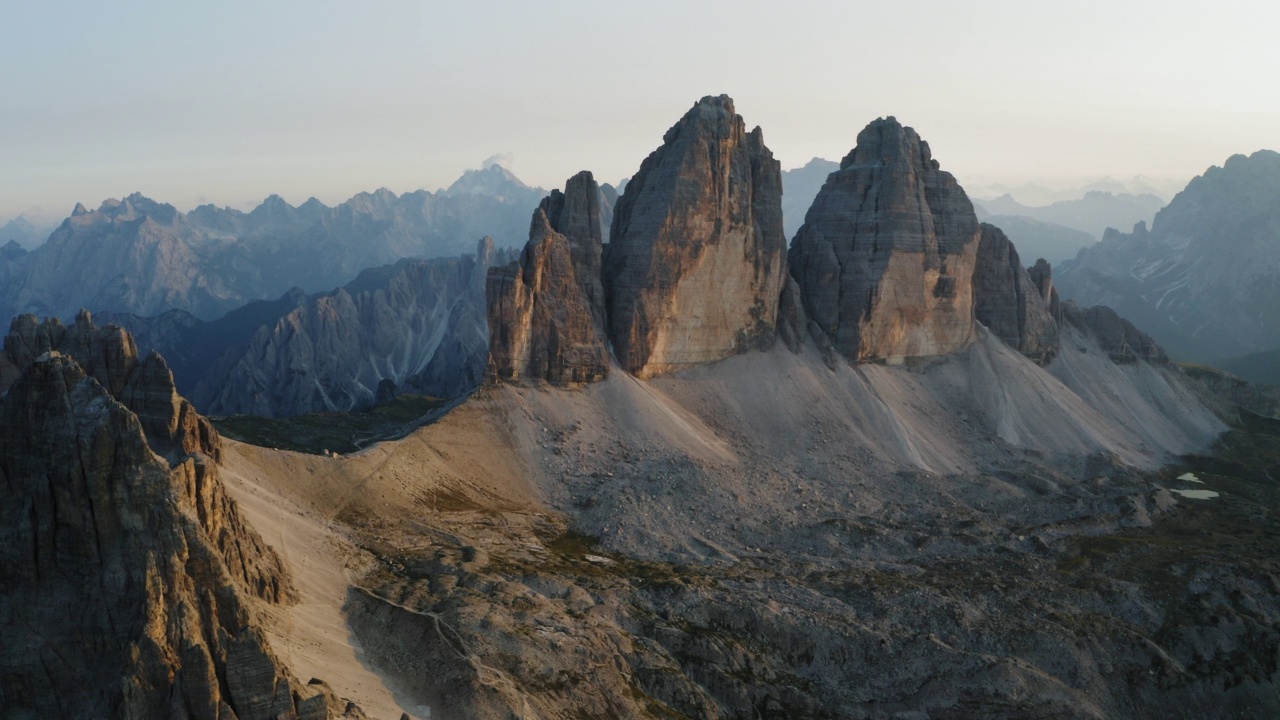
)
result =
(546, 311)
(126, 570)
(885, 258)
(696, 258)
(1009, 302)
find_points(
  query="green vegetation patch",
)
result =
(337, 432)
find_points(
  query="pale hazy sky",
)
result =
(230, 101)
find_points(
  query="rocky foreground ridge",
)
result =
(129, 578)
(890, 265)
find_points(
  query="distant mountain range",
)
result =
(140, 256)
(24, 233)
(1035, 194)
(417, 326)
(799, 187)
(1093, 213)
(1205, 279)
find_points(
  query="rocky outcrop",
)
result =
(546, 311)
(1008, 301)
(125, 578)
(109, 356)
(1042, 276)
(886, 255)
(577, 215)
(418, 323)
(1123, 342)
(696, 257)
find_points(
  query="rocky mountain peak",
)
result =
(546, 313)
(493, 180)
(696, 257)
(109, 356)
(885, 258)
(888, 143)
(486, 250)
(11, 251)
(1205, 277)
(153, 556)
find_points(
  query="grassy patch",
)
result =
(338, 432)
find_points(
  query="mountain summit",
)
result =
(886, 255)
(697, 256)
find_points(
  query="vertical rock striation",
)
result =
(1042, 275)
(1009, 302)
(697, 257)
(546, 310)
(109, 356)
(125, 577)
(885, 258)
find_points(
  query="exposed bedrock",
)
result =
(127, 576)
(885, 257)
(697, 256)
(546, 310)
(1008, 300)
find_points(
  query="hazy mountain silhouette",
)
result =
(1093, 213)
(1205, 279)
(140, 256)
(799, 187)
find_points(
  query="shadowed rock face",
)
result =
(1042, 275)
(125, 578)
(546, 311)
(1009, 302)
(576, 214)
(1123, 342)
(109, 356)
(696, 259)
(886, 255)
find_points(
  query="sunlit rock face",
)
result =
(885, 258)
(697, 256)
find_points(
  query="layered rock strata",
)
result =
(697, 256)
(885, 257)
(126, 578)
(546, 310)
(1009, 301)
